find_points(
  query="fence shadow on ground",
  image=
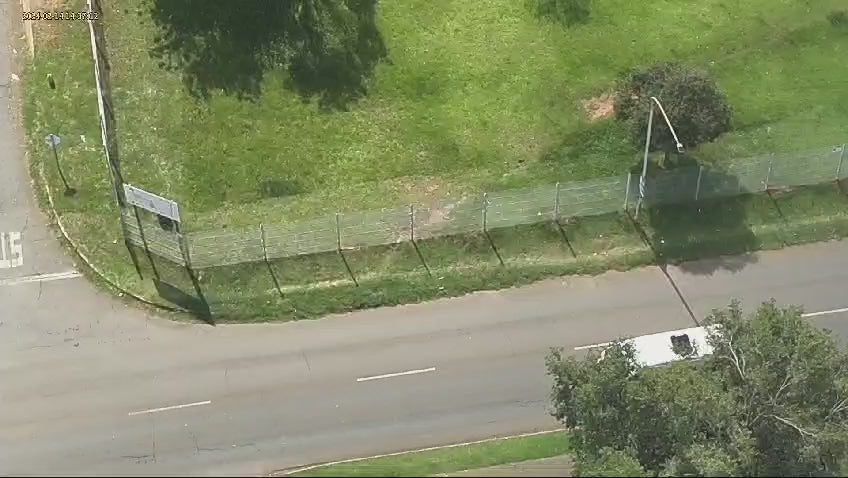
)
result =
(711, 225)
(330, 47)
(174, 283)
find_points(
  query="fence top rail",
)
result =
(500, 208)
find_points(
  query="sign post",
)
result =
(166, 210)
(53, 140)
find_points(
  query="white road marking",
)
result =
(595, 346)
(172, 407)
(11, 250)
(40, 278)
(825, 312)
(398, 374)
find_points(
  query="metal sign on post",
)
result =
(52, 140)
(151, 202)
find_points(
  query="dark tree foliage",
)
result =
(696, 107)
(772, 400)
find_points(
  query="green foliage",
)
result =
(611, 462)
(697, 109)
(567, 12)
(772, 400)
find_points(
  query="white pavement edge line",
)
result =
(40, 278)
(173, 407)
(398, 374)
(825, 312)
(441, 447)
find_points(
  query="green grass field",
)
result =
(448, 460)
(472, 96)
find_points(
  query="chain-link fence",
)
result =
(480, 213)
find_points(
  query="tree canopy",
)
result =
(772, 400)
(696, 107)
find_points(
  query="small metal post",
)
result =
(339, 246)
(338, 233)
(144, 243)
(412, 222)
(203, 309)
(698, 187)
(262, 241)
(183, 245)
(267, 262)
(627, 191)
(768, 174)
(412, 239)
(556, 204)
(53, 141)
(841, 159)
(485, 208)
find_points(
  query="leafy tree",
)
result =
(612, 462)
(695, 106)
(772, 400)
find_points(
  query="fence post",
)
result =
(267, 262)
(339, 248)
(768, 174)
(144, 243)
(556, 203)
(262, 241)
(698, 187)
(841, 159)
(201, 306)
(338, 233)
(183, 246)
(412, 223)
(627, 191)
(412, 239)
(485, 209)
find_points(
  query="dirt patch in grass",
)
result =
(599, 107)
(46, 32)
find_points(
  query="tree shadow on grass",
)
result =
(328, 47)
(566, 12)
(703, 236)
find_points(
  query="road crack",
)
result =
(308, 367)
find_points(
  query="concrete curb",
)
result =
(292, 471)
(57, 219)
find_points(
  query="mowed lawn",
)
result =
(474, 95)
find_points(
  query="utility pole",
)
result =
(104, 99)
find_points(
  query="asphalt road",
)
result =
(86, 383)
(286, 395)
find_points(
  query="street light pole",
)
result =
(643, 177)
